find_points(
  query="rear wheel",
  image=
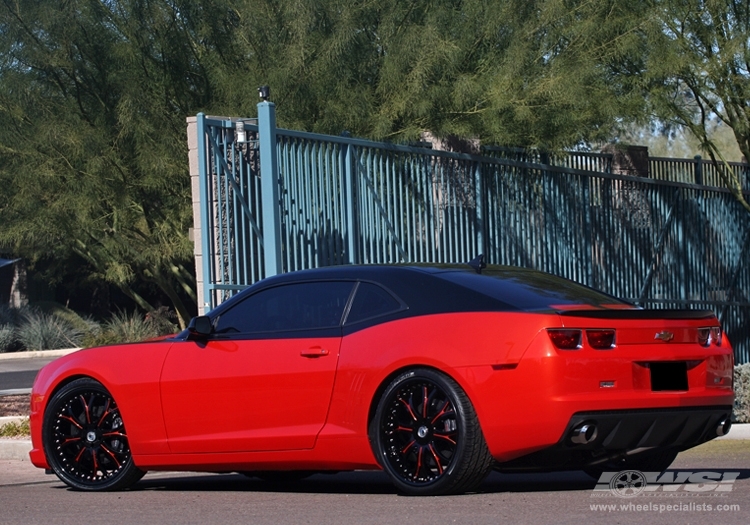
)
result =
(426, 435)
(85, 440)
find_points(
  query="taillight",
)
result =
(601, 339)
(709, 335)
(704, 334)
(565, 339)
(716, 335)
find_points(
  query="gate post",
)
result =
(269, 182)
(350, 192)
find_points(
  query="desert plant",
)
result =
(741, 394)
(123, 327)
(16, 429)
(8, 339)
(12, 316)
(63, 312)
(163, 320)
(42, 331)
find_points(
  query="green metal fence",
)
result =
(275, 200)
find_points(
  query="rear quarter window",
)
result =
(370, 300)
(527, 290)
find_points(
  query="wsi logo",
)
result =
(631, 483)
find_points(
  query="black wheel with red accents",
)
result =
(426, 435)
(85, 440)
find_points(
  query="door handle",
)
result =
(315, 351)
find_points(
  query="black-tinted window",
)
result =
(529, 290)
(300, 306)
(371, 301)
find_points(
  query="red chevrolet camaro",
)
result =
(434, 374)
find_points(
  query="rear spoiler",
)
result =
(639, 314)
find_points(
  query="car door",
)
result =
(263, 380)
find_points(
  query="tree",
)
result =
(93, 97)
(698, 70)
(519, 72)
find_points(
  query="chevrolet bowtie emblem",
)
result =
(664, 335)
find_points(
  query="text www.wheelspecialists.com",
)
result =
(665, 507)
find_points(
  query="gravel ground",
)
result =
(16, 405)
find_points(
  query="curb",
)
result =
(15, 449)
(32, 354)
(738, 431)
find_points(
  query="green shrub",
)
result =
(14, 429)
(41, 331)
(124, 327)
(741, 394)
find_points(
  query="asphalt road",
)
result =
(20, 373)
(28, 496)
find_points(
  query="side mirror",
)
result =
(200, 327)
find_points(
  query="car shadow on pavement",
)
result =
(355, 483)
(373, 482)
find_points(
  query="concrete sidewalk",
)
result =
(34, 354)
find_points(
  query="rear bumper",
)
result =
(614, 434)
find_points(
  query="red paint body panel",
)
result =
(240, 396)
(248, 405)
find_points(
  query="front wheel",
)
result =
(85, 440)
(426, 435)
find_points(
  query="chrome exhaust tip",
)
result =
(584, 434)
(724, 427)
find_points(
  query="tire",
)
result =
(426, 436)
(653, 461)
(85, 440)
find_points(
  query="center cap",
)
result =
(91, 437)
(422, 432)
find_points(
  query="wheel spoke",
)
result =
(86, 409)
(408, 446)
(437, 459)
(409, 408)
(442, 412)
(419, 463)
(118, 434)
(68, 418)
(112, 455)
(105, 413)
(445, 437)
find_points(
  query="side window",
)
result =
(300, 306)
(371, 301)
